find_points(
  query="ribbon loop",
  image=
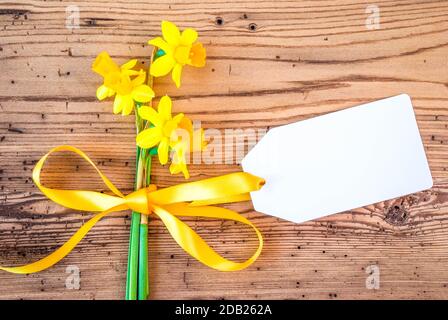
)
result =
(186, 199)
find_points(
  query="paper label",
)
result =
(340, 161)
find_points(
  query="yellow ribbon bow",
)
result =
(186, 199)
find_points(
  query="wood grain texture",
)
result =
(269, 63)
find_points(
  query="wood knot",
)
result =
(397, 215)
(252, 26)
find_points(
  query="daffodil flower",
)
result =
(178, 163)
(118, 82)
(180, 49)
(163, 131)
(180, 146)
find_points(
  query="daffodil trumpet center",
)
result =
(169, 127)
(182, 54)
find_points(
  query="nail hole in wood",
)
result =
(252, 27)
(219, 21)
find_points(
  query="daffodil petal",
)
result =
(123, 104)
(177, 71)
(104, 65)
(178, 117)
(129, 65)
(199, 142)
(104, 92)
(186, 124)
(174, 168)
(160, 43)
(148, 138)
(140, 79)
(127, 104)
(142, 93)
(118, 106)
(132, 72)
(185, 172)
(162, 66)
(188, 36)
(164, 108)
(170, 33)
(178, 163)
(151, 115)
(162, 150)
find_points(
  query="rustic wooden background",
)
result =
(269, 63)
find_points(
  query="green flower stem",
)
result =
(143, 278)
(131, 281)
(143, 284)
(137, 285)
(133, 255)
(134, 238)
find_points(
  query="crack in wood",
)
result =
(15, 12)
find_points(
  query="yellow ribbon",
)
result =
(186, 199)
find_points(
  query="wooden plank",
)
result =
(269, 63)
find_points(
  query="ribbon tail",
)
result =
(62, 251)
(194, 245)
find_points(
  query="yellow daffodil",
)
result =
(184, 142)
(118, 82)
(180, 49)
(178, 163)
(163, 131)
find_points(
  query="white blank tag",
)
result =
(340, 161)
